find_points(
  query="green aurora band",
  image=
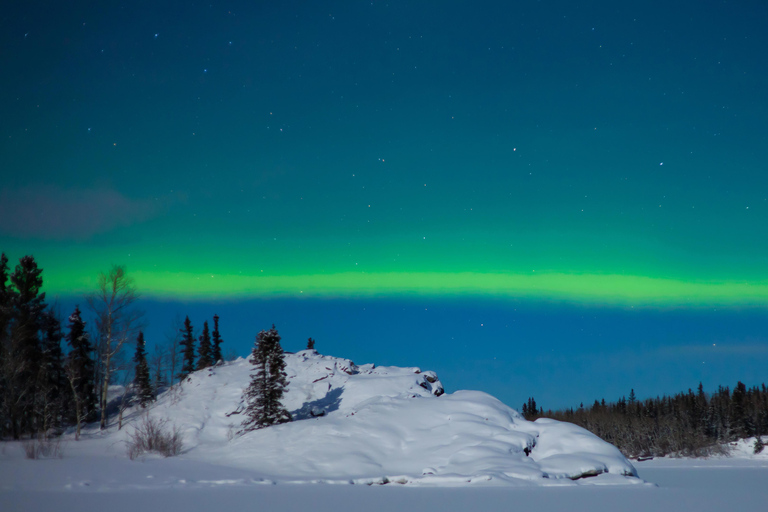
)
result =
(593, 289)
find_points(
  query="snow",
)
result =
(367, 424)
(362, 425)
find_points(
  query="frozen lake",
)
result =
(701, 485)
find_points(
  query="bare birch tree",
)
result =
(72, 377)
(173, 337)
(118, 320)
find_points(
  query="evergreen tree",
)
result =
(80, 367)
(310, 344)
(530, 409)
(216, 347)
(268, 382)
(5, 316)
(144, 392)
(51, 380)
(188, 350)
(5, 306)
(204, 351)
(24, 354)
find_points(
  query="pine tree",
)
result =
(204, 350)
(310, 344)
(80, 367)
(216, 347)
(51, 380)
(27, 307)
(5, 307)
(5, 368)
(268, 382)
(530, 409)
(144, 393)
(188, 351)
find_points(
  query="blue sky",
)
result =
(553, 199)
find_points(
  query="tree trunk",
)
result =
(78, 408)
(104, 389)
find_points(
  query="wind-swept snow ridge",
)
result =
(375, 425)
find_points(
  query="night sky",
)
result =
(557, 199)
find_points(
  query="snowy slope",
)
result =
(368, 424)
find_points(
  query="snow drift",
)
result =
(378, 425)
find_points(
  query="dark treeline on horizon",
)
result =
(686, 424)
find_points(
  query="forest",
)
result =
(691, 424)
(56, 373)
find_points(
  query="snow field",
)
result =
(377, 425)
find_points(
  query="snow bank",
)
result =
(376, 425)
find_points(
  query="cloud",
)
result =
(53, 213)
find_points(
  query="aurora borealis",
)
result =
(549, 159)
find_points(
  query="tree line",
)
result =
(50, 380)
(685, 424)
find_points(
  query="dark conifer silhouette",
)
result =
(80, 367)
(5, 366)
(188, 350)
(268, 382)
(759, 445)
(24, 353)
(204, 350)
(216, 338)
(52, 396)
(687, 424)
(144, 393)
(310, 344)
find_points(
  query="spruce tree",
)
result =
(310, 344)
(188, 350)
(144, 393)
(268, 382)
(204, 350)
(80, 366)
(5, 307)
(5, 369)
(216, 347)
(51, 381)
(27, 306)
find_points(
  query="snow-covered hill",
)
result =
(369, 424)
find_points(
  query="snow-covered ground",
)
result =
(364, 425)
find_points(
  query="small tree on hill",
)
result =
(188, 351)
(144, 393)
(310, 344)
(204, 354)
(268, 382)
(759, 445)
(216, 347)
